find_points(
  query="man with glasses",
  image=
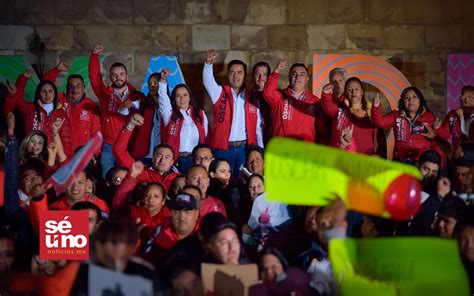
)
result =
(203, 155)
(82, 112)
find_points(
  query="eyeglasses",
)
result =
(205, 158)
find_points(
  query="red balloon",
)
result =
(403, 197)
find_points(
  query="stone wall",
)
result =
(413, 35)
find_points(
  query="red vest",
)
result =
(172, 132)
(222, 114)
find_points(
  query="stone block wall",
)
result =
(413, 35)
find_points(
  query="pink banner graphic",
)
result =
(460, 73)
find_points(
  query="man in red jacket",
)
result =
(198, 176)
(294, 109)
(117, 101)
(163, 156)
(82, 112)
(237, 120)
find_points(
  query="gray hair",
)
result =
(337, 70)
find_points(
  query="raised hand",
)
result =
(136, 169)
(346, 136)
(282, 64)
(211, 56)
(11, 88)
(98, 48)
(430, 132)
(136, 119)
(328, 88)
(443, 186)
(165, 73)
(376, 100)
(57, 124)
(28, 73)
(63, 66)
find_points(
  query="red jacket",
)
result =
(142, 141)
(149, 174)
(366, 137)
(172, 132)
(452, 126)
(291, 117)
(222, 112)
(43, 122)
(168, 237)
(84, 118)
(112, 121)
(212, 204)
(138, 212)
(409, 145)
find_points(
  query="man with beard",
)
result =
(435, 188)
(117, 101)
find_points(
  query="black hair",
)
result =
(467, 88)
(87, 205)
(356, 79)
(110, 173)
(36, 101)
(72, 76)
(255, 176)
(237, 62)
(215, 163)
(117, 229)
(262, 64)
(453, 207)
(162, 188)
(430, 156)
(275, 252)
(299, 65)
(163, 145)
(256, 148)
(33, 164)
(467, 220)
(213, 223)
(419, 94)
(196, 115)
(190, 186)
(201, 146)
(384, 227)
(157, 75)
(118, 64)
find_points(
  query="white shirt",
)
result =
(135, 104)
(48, 107)
(278, 212)
(155, 136)
(238, 126)
(189, 136)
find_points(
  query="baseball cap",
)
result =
(184, 201)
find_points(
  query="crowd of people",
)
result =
(171, 190)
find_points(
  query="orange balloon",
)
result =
(365, 198)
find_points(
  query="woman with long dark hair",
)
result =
(43, 112)
(185, 124)
(409, 125)
(353, 112)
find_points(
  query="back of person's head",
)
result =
(453, 207)
(382, 226)
(117, 229)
